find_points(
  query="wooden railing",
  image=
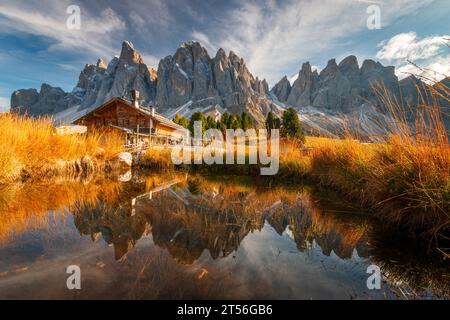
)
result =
(136, 147)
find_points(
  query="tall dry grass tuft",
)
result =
(410, 172)
(416, 160)
(295, 160)
(32, 146)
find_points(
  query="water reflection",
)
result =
(211, 227)
(199, 215)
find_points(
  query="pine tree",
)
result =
(235, 122)
(177, 118)
(210, 123)
(225, 119)
(197, 116)
(184, 122)
(246, 122)
(290, 125)
(270, 121)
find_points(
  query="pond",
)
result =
(152, 235)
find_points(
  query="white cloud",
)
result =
(4, 104)
(149, 13)
(430, 54)
(96, 36)
(273, 37)
(407, 46)
(68, 67)
(137, 20)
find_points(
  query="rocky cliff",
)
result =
(340, 98)
(48, 100)
(338, 88)
(186, 82)
(344, 97)
(191, 80)
(97, 83)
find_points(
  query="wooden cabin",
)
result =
(138, 123)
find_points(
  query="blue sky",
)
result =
(273, 36)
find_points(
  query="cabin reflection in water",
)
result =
(199, 215)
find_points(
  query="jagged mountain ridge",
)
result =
(339, 88)
(344, 97)
(188, 81)
(96, 84)
(329, 102)
(191, 78)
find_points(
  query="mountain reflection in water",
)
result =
(179, 236)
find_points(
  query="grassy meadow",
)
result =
(408, 183)
(30, 148)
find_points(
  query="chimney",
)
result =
(135, 98)
(153, 111)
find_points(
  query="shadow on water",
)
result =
(179, 236)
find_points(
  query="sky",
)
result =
(273, 36)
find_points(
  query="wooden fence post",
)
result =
(137, 135)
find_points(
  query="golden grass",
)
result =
(31, 145)
(410, 172)
(416, 173)
(410, 177)
(409, 180)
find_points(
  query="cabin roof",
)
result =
(141, 109)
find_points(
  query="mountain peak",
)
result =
(306, 67)
(101, 64)
(232, 54)
(192, 49)
(331, 68)
(369, 65)
(129, 54)
(282, 89)
(221, 54)
(349, 61)
(127, 44)
(331, 63)
(190, 43)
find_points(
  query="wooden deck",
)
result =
(139, 142)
